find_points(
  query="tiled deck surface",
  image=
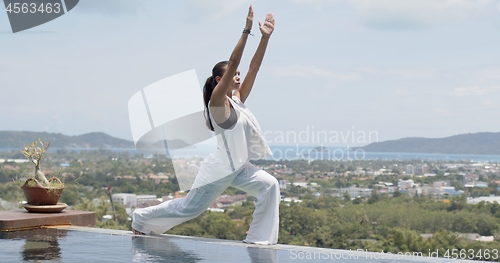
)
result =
(83, 244)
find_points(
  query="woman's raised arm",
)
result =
(219, 94)
(246, 86)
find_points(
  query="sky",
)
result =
(359, 71)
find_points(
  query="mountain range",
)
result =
(487, 143)
(473, 143)
(19, 139)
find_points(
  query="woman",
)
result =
(238, 140)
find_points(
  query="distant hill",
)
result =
(18, 139)
(472, 143)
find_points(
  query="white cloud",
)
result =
(416, 14)
(110, 7)
(319, 3)
(391, 14)
(405, 73)
(412, 73)
(491, 104)
(215, 9)
(400, 92)
(442, 112)
(475, 90)
(488, 73)
(312, 71)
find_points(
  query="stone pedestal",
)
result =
(21, 219)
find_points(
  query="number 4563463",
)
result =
(33, 8)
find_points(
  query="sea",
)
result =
(300, 152)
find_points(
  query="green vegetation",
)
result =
(390, 225)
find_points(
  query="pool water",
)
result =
(100, 245)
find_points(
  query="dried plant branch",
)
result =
(35, 154)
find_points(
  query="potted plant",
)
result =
(41, 194)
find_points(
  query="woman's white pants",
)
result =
(264, 227)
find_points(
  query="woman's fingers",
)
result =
(250, 12)
(269, 23)
(270, 18)
(249, 18)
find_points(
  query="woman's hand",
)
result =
(249, 18)
(268, 27)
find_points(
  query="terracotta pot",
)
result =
(40, 195)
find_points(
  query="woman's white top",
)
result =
(235, 146)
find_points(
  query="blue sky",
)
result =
(426, 68)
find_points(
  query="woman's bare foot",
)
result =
(137, 232)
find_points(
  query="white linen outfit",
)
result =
(228, 166)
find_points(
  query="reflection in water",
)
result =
(41, 248)
(157, 249)
(262, 255)
(164, 249)
(40, 244)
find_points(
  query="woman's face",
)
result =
(235, 84)
(236, 80)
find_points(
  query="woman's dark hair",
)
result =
(210, 84)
